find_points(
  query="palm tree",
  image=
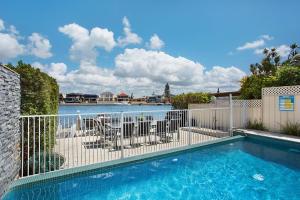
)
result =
(253, 69)
(293, 52)
(266, 52)
(277, 60)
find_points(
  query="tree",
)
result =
(251, 86)
(288, 75)
(167, 93)
(268, 65)
(293, 51)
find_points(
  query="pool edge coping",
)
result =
(264, 134)
(40, 178)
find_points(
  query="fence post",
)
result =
(244, 114)
(231, 115)
(189, 123)
(122, 135)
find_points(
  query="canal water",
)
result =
(100, 108)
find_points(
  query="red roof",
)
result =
(122, 94)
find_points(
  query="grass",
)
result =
(256, 125)
(291, 129)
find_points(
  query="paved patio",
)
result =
(85, 150)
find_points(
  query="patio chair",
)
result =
(161, 131)
(173, 128)
(143, 129)
(96, 127)
(128, 129)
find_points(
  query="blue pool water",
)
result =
(247, 169)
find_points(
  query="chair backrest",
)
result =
(99, 127)
(173, 125)
(128, 128)
(89, 123)
(161, 126)
(143, 128)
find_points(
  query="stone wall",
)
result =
(10, 95)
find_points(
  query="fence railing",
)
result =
(55, 142)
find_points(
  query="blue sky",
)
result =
(197, 45)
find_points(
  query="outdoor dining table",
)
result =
(116, 129)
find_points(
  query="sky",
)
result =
(138, 46)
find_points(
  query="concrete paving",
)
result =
(84, 150)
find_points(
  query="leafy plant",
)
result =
(183, 100)
(288, 75)
(291, 129)
(44, 162)
(256, 125)
(251, 86)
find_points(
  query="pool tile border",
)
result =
(65, 173)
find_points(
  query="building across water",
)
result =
(106, 96)
(122, 97)
(80, 98)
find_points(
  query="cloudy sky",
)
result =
(138, 46)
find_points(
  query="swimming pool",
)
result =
(250, 168)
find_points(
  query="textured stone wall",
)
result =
(10, 95)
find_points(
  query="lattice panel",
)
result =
(248, 103)
(285, 90)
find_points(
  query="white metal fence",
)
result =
(54, 142)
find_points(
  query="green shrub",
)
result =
(256, 125)
(291, 129)
(47, 163)
(39, 96)
(39, 91)
(288, 75)
(252, 85)
(183, 100)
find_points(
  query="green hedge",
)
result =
(39, 91)
(183, 100)
(39, 96)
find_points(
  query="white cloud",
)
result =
(143, 71)
(86, 42)
(129, 36)
(221, 77)
(157, 66)
(39, 46)
(156, 42)
(39, 66)
(2, 27)
(283, 50)
(258, 51)
(58, 70)
(252, 45)
(9, 47)
(267, 37)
